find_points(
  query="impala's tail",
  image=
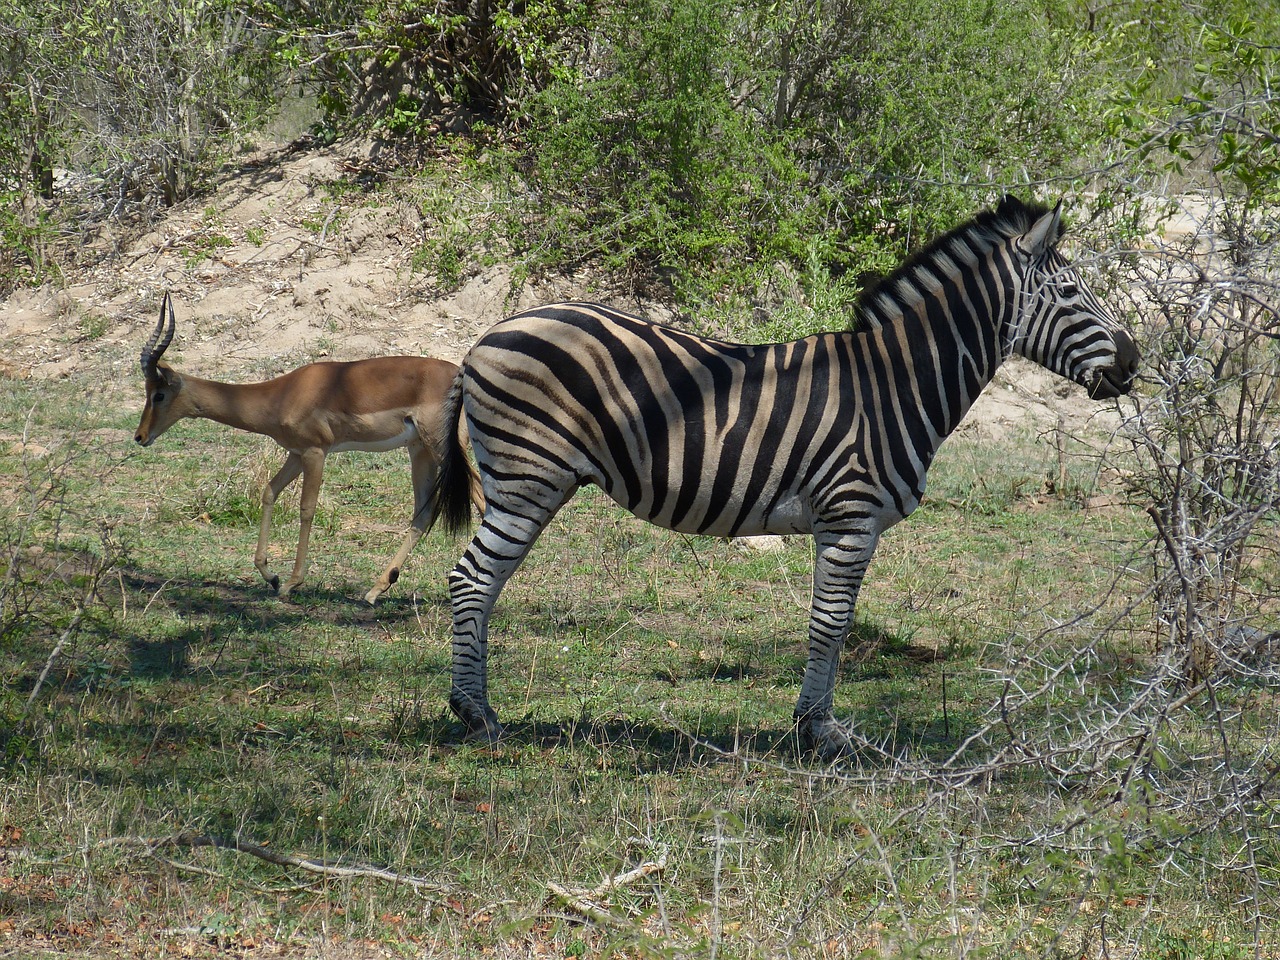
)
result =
(457, 477)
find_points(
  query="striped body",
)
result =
(830, 435)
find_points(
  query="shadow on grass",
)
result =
(887, 693)
(642, 746)
(218, 612)
(210, 614)
(256, 601)
(652, 746)
(218, 616)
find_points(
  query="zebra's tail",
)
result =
(453, 493)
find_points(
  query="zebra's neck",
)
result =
(940, 324)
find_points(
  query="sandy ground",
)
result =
(268, 273)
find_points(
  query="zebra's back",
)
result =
(693, 434)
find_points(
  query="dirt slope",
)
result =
(268, 273)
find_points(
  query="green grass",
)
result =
(647, 680)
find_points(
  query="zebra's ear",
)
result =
(1044, 233)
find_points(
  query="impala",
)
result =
(379, 404)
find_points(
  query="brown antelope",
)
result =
(379, 404)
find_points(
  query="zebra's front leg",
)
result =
(838, 569)
(493, 556)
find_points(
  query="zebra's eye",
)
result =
(1069, 289)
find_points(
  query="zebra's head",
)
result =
(1058, 322)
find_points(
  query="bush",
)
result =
(405, 66)
(51, 583)
(1208, 436)
(142, 97)
(716, 140)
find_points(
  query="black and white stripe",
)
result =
(830, 435)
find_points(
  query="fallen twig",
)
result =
(67, 634)
(582, 900)
(323, 868)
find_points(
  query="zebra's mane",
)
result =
(1011, 218)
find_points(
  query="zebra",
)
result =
(830, 435)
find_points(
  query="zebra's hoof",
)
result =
(480, 720)
(490, 734)
(826, 737)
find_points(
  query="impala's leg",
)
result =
(837, 576)
(285, 476)
(499, 546)
(426, 470)
(312, 477)
(477, 490)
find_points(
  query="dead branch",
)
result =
(151, 846)
(583, 901)
(54, 654)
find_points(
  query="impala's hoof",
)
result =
(382, 586)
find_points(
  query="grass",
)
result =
(647, 679)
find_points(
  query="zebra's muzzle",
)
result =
(1110, 383)
(1117, 379)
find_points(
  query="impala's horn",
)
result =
(159, 341)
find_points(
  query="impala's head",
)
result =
(1059, 323)
(164, 384)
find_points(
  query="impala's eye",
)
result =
(158, 396)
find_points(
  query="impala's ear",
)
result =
(1044, 233)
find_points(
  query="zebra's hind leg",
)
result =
(494, 554)
(838, 570)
